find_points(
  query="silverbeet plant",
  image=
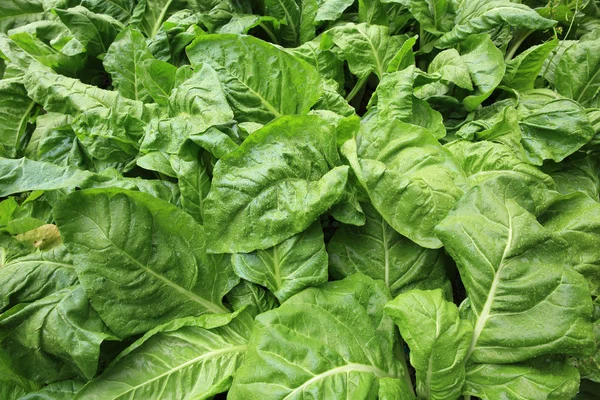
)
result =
(299, 199)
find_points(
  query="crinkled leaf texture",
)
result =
(143, 254)
(345, 349)
(274, 185)
(526, 301)
(184, 359)
(438, 339)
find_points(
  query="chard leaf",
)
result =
(94, 31)
(576, 219)
(577, 74)
(123, 61)
(412, 192)
(15, 13)
(287, 268)
(253, 297)
(483, 16)
(120, 10)
(539, 379)
(246, 67)
(367, 48)
(434, 16)
(63, 390)
(438, 339)
(515, 252)
(522, 71)
(164, 254)
(34, 276)
(345, 351)
(158, 79)
(378, 251)
(190, 361)
(452, 68)
(16, 109)
(298, 15)
(274, 185)
(38, 337)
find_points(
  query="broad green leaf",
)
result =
(367, 48)
(540, 379)
(522, 71)
(16, 109)
(486, 66)
(94, 31)
(251, 296)
(434, 16)
(377, 250)
(299, 17)
(55, 141)
(372, 12)
(261, 81)
(577, 75)
(149, 15)
(289, 267)
(576, 219)
(393, 389)
(190, 362)
(438, 341)
(241, 24)
(63, 390)
(331, 10)
(551, 63)
(525, 300)
(11, 391)
(157, 272)
(32, 277)
(123, 61)
(405, 57)
(274, 185)
(410, 178)
(192, 173)
(38, 337)
(552, 128)
(343, 352)
(158, 79)
(120, 10)
(14, 13)
(23, 175)
(486, 160)
(452, 68)
(395, 99)
(325, 61)
(483, 16)
(578, 173)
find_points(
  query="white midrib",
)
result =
(160, 18)
(214, 353)
(340, 370)
(430, 364)
(487, 307)
(386, 254)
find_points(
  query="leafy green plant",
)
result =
(299, 199)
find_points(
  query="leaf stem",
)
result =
(269, 33)
(357, 87)
(401, 357)
(515, 46)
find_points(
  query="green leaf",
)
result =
(331, 10)
(483, 16)
(438, 340)
(32, 277)
(378, 251)
(434, 16)
(255, 75)
(123, 61)
(38, 337)
(325, 61)
(577, 74)
(514, 252)
(158, 79)
(193, 179)
(576, 219)
(190, 361)
(552, 128)
(299, 18)
(10, 391)
(149, 15)
(578, 173)
(94, 31)
(486, 160)
(367, 48)
(120, 10)
(452, 68)
(540, 379)
(409, 177)
(157, 272)
(16, 109)
(522, 71)
(63, 390)
(289, 267)
(274, 185)
(486, 66)
(15, 13)
(345, 350)
(253, 297)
